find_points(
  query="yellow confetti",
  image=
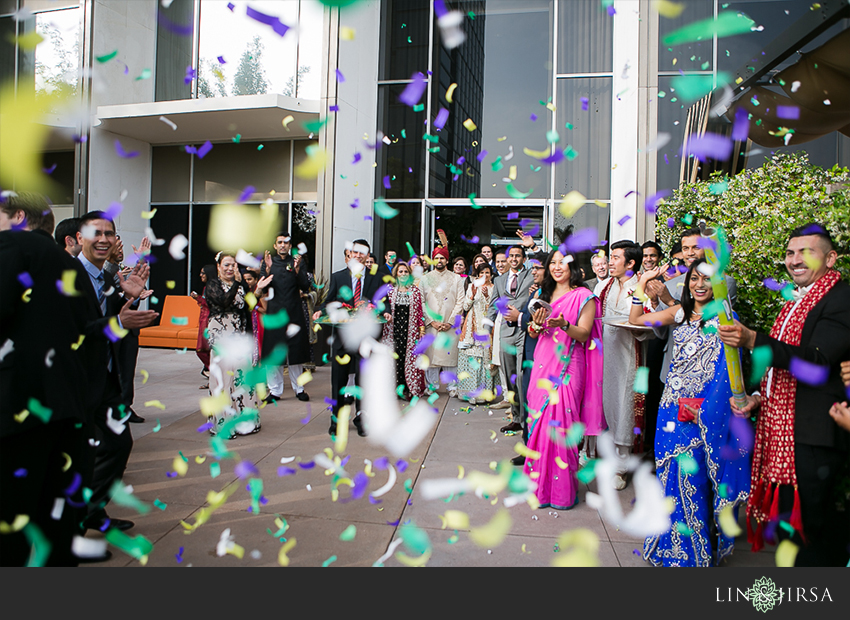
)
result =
(463, 375)
(170, 284)
(304, 378)
(810, 261)
(455, 520)
(536, 154)
(154, 403)
(17, 525)
(544, 384)
(422, 560)
(28, 41)
(286, 120)
(211, 405)
(786, 554)
(317, 159)
(68, 462)
(282, 557)
(450, 92)
(728, 523)
(512, 173)
(460, 472)
(668, 9)
(26, 296)
(551, 107)
(523, 549)
(116, 328)
(579, 547)
(675, 60)
(243, 226)
(342, 429)
(20, 417)
(237, 550)
(492, 534)
(346, 33)
(79, 343)
(571, 203)
(344, 359)
(148, 215)
(200, 459)
(180, 466)
(251, 300)
(502, 139)
(145, 374)
(469, 125)
(492, 435)
(600, 204)
(523, 450)
(560, 463)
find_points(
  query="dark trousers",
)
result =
(827, 530)
(31, 479)
(107, 460)
(128, 352)
(339, 379)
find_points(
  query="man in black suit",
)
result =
(363, 286)
(42, 385)
(797, 442)
(112, 313)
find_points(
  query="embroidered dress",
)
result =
(202, 348)
(575, 371)
(402, 334)
(699, 463)
(229, 362)
(474, 348)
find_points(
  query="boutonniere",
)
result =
(630, 292)
(289, 267)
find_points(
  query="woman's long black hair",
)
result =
(688, 302)
(547, 287)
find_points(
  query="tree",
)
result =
(250, 77)
(60, 77)
(289, 89)
(210, 71)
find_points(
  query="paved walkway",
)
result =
(460, 439)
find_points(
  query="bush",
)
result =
(758, 209)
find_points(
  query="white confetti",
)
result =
(795, 85)
(176, 247)
(244, 258)
(48, 359)
(170, 123)
(660, 140)
(58, 508)
(7, 348)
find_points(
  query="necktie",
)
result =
(512, 288)
(101, 298)
(357, 289)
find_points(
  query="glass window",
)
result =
(174, 49)
(695, 56)
(170, 174)
(62, 165)
(404, 227)
(53, 66)
(404, 159)
(7, 57)
(672, 114)
(404, 24)
(170, 220)
(227, 169)
(303, 189)
(257, 60)
(589, 172)
(585, 38)
(310, 51)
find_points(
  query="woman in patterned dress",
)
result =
(474, 347)
(202, 348)
(232, 355)
(699, 460)
(404, 328)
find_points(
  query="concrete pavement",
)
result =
(295, 430)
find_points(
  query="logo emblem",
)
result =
(764, 594)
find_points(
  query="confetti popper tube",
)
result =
(721, 294)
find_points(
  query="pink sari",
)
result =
(579, 388)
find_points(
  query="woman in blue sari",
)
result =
(699, 460)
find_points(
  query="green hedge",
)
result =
(758, 208)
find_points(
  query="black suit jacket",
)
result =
(342, 278)
(826, 342)
(43, 365)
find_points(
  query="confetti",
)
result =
(668, 9)
(492, 534)
(709, 146)
(383, 210)
(808, 373)
(349, 533)
(413, 92)
(728, 523)
(578, 547)
(728, 23)
(469, 125)
(786, 554)
(125, 154)
(106, 57)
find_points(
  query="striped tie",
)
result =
(357, 289)
(101, 298)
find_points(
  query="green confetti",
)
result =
(352, 390)
(255, 488)
(662, 94)
(687, 464)
(403, 133)
(569, 126)
(719, 187)
(409, 40)
(641, 385)
(452, 539)
(706, 65)
(552, 136)
(346, 293)
(787, 527)
(570, 153)
(276, 320)
(430, 138)
(314, 126)
(471, 15)
(435, 149)
(107, 57)
(683, 529)
(180, 320)
(329, 561)
(260, 147)
(762, 358)
(419, 107)
(527, 364)
(349, 533)
(693, 87)
(433, 397)
(87, 493)
(137, 547)
(40, 546)
(145, 75)
(120, 496)
(443, 341)
(727, 24)
(432, 315)
(724, 490)
(383, 210)
(39, 410)
(587, 473)
(497, 165)
(472, 201)
(158, 426)
(215, 469)
(688, 219)
(159, 504)
(237, 138)
(185, 460)
(510, 349)
(414, 538)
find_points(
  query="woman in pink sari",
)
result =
(573, 370)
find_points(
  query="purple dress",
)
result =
(579, 390)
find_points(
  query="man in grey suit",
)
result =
(666, 294)
(512, 287)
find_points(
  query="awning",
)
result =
(253, 117)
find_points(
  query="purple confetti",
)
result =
(231, 6)
(283, 470)
(330, 402)
(179, 555)
(367, 218)
(710, 146)
(113, 337)
(396, 522)
(381, 293)
(442, 117)
(513, 216)
(381, 463)
(414, 91)
(811, 374)
(401, 465)
(191, 74)
(75, 484)
(80, 139)
(473, 240)
(707, 243)
(666, 161)
(533, 117)
(788, 111)
(387, 182)
(305, 420)
(122, 153)
(448, 377)
(339, 76)
(439, 10)
(25, 279)
(423, 344)
(357, 157)
(534, 231)
(502, 305)
(20, 473)
(308, 465)
(374, 500)
(244, 469)
(461, 160)
(671, 223)
(481, 156)
(269, 20)
(171, 474)
(334, 108)
(183, 31)
(206, 148)
(584, 102)
(205, 427)
(221, 60)
(651, 204)
(113, 211)
(361, 481)
(773, 285)
(813, 229)
(458, 321)
(481, 337)
(630, 192)
(356, 203)
(612, 11)
(585, 239)
(742, 430)
(741, 128)
(554, 158)
(246, 193)
(49, 170)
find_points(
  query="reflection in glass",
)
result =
(170, 174)
(404, 24)
(228, 169)
(696, 56)
(174, 50)
(53, 66)
(303, 189)
(671, 120)
(585, 38)
(404, 227)
(403, 160)
(61, 166)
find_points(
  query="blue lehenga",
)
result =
(701, 464)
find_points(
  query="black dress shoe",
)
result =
(95, 558)
(302, 396)
(358, 424)
(513, 427)
(135, 418)
(518, 460)
(102, 522)
(271, 399)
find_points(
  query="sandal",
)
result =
(205, 373)
(204, 387)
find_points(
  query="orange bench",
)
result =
(178, 325)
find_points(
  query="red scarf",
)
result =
(773, 453)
